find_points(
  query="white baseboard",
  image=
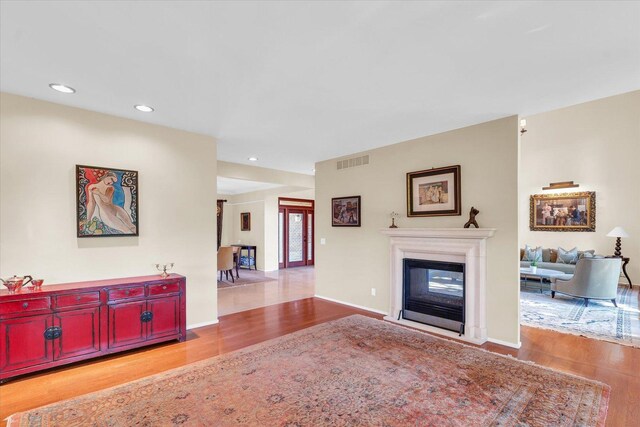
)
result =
(505, 343)
(361, 307)
(200, 325)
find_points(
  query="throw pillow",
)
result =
(531, 254)
(586, 254)
(567, 257)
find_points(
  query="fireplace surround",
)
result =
(463, 246)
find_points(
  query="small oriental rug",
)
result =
(247, 277)
(355, 371)
(600, 320)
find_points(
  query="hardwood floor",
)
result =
(616, 365)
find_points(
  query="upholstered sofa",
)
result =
(550, 258)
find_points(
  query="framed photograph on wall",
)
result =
(563, 212)
(106, 202)
(434, 192)
(245, 221)
(346, 212)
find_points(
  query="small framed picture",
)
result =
(106, 202)
(434, 192)
(245, 221)
(346, 211)
(563, 212)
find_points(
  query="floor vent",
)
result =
(353, 162)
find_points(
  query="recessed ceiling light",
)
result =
(253, 159)
(62, 88)
(143, 108)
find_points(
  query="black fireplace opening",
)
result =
(433, 293)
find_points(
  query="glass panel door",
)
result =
(296, 243)
(309, 238)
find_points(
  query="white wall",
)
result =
(354, 260)
(40, 144)
(597, 145)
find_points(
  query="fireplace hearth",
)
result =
(433, 293)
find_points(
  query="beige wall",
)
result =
(597, 145)
(256, 173)
(354, 260)
(40, 144)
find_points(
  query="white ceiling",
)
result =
(297, 82)
(231, 186)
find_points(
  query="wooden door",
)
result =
(23, 343)
(80, 332)
(125, 323)
(165, 319)
(296, 233)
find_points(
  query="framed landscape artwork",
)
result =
(563, 212)
(346, 212)
(106, 202)
(245, 221)
(434, 192)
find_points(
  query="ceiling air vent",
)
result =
(353, 162)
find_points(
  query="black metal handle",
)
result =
(53, 333)
(146, 316)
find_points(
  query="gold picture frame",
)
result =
(563, 212)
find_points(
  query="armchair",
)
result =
(594, 278)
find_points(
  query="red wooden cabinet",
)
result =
(62, 324)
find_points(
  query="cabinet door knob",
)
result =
(164, 287)
(127, 292)
(25, 304)
(78, 298)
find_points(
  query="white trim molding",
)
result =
(361, 307)
(200, 325)
(464, 245)
(505, 343)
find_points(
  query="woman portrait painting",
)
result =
(107, 202)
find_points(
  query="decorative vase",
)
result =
(534, 268)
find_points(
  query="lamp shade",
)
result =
(618, 232)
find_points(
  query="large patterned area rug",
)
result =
(354, 371)
(600, 320)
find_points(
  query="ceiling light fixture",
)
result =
(253, 159)
(144, 108)
(62, 88)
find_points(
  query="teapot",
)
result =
(15, 283)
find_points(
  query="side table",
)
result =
(625, 261)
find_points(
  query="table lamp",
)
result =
(618, 233)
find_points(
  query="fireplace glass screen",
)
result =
(434, 293)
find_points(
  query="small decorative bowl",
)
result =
(37, 284)
(13, 286)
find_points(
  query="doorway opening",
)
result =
(295, 232)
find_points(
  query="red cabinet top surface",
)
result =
(97, 284)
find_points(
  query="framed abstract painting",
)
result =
(434, 192)
(346, 212)
(106, 202)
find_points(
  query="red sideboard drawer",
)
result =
(25, 305)
(78, 299)
(164, 288)
(126, 293)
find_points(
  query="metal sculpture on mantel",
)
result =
(472, 218)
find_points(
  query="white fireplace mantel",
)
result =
(465, 245)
